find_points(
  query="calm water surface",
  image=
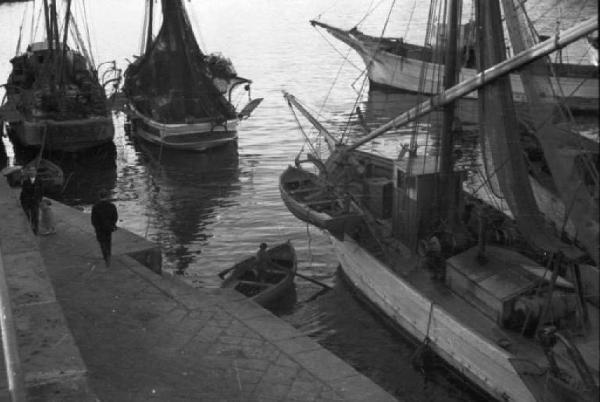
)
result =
(208, 211)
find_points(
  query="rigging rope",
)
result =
(358, 98)
(307, 139)
(196, 27)
(410, 17)
(369, 12)
(344, 57)
(367, 65)
(87, 30)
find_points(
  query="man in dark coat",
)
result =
(31, 196)
(104, 220)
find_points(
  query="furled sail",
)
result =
(499, 126)
(173, 81)
(567, 154)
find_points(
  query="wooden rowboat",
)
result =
(278, 281)
(310, 200)
(50, 174)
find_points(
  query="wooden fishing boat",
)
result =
(503, 314)
(179, 97)
(325, 209)
(396, 64)
(53, 93)
(279, 279)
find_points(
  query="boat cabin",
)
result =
(416, 186)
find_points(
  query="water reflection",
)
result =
(85, 172)
(185, 191)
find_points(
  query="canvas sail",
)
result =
(172, 82)
(567, 154)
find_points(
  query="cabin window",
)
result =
(40, 58)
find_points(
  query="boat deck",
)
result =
(412, 270)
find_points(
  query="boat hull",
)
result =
(579, 87)
(335, 222)
(403, 73)
(186, 137)
(484, 363)
(67, 136)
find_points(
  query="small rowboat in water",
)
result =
(309, 199)
(278, 280)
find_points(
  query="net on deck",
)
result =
(500, 131)
(172, 82)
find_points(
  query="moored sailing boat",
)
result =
(421, 255)
(53, 93)
(392, 62)
(179, 97)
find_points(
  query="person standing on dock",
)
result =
(31, 196)
(104, 220)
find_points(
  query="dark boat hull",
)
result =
(67, 136)
(277, 285)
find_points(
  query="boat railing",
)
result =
(12, 361)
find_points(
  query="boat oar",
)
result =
(314, 281)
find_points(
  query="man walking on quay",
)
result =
(104, 220)
(31, 196)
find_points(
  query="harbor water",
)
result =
(210, 210)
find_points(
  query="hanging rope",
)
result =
(369, 12)
(410, 17)
(344, 57)
(87, 30)
(307, 139)
(368, 64)
(357, 100)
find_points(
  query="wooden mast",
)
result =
(329, 139)
(64, 43)
(48, 25)
(54, 24)
(445, 199)
(149, 32)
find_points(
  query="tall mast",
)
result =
(447, 138)
(48, 25)
(54, 24)
(150, 18)
(64, 41)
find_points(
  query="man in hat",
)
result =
(104, 220)
(263, 262)
(31, 196)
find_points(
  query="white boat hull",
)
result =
(190, 137)
(404, 73)
(482, 362)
